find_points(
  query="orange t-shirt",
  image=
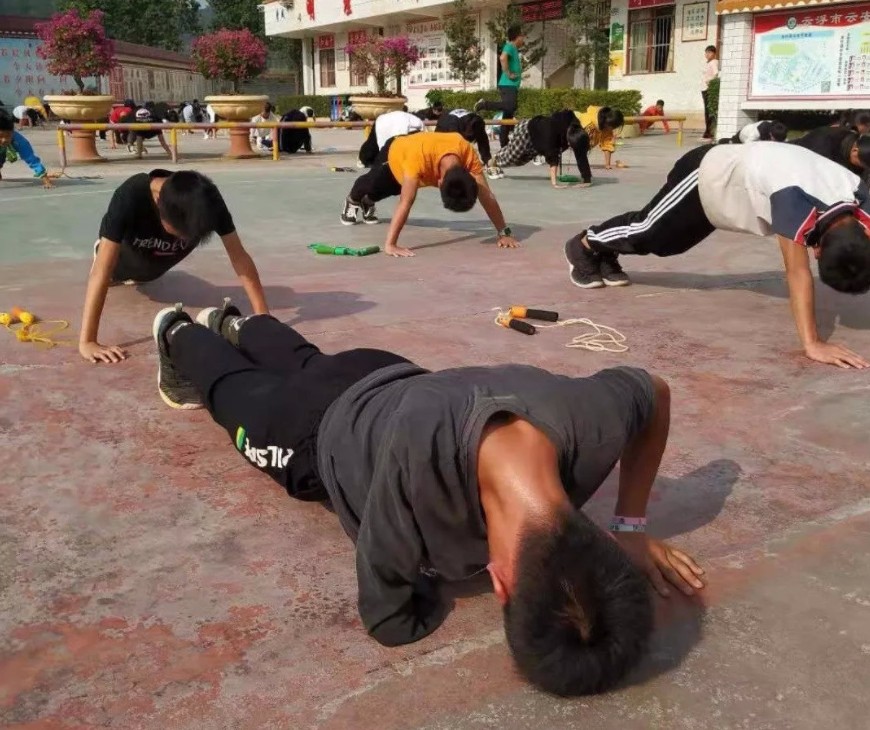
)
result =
(417, 155)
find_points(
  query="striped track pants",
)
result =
(671, 223)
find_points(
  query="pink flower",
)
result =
(382, 57)
(232, 55)
(76, 46)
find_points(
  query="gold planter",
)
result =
(82, 109)
(238, 108)
(371, 107)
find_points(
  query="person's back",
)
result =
(741, 185)
(418, 155)
(394, 124)
(833, 143)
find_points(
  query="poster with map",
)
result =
(820, 54)
(433, 68)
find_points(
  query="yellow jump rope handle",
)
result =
(516, 324)
(540, 314)
(17, 315)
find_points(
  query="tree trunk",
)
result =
(398, 84)
(80, 83)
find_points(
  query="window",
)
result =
(327, 67)
(651, 40)
(357, 78)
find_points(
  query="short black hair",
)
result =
(580, 616)
(844, 263)
(710, 48)
(515, 31)
(860, 119)
(7, 123)
(188, 201)
(610, 118)
(862, 142)
(776, 132)
(660, 102)
(458, 190)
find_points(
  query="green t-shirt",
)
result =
(514, 66)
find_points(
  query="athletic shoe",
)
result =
(583, 265)
(175, 390)
(499, 172)
(219, 319)
(492, 173)
(369, 213)
(539, 160)
(611, 271)
(478, 105)
(350, 213)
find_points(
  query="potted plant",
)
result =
(384, 59)
(76, 45)
(233, 56)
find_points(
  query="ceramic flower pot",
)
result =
(371, 107)
(82, 109)
(238, 108)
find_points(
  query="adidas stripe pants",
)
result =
(671, 223)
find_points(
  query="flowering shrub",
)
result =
(384, 58)
(231, 55)
(75, 46)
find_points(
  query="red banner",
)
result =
(828, 16)
(638, 4)
(325, 42)
(542, 10)
(357, 36)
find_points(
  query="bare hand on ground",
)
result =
(398, 251)
(661, 563)
(46, 182)
(508, 242)
(838, 355)
(95, 352)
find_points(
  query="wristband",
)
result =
(627, 524)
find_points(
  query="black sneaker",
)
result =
(611, 271)
(479, 104)
(369, 213)
(219, 319)
(350, 213)
(175, 390)
(583, 265)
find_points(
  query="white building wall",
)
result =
(734, 69)
(681, 88)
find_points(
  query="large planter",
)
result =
(238, 108)
(82, 109)
(371, 107)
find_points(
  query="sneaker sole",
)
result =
(590, 285)
(348, 223)
(372, 223)
(155, 330)
(608, 282)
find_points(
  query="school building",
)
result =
(792, 55)
(657, 46)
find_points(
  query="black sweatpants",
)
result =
(271, 392)
(368, 153)
(379, 182)
(671, 223)
(508, 108)
(709, 119)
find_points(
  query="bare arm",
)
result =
(400, 217)
(493, 211)
(801, 294)
(162, 139)
(246, 270)
(95, 298)
(505, 65)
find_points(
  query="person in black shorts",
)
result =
(155, 220)
(438, 476)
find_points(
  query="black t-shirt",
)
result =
(132, 220)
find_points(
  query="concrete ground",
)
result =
(151, 579)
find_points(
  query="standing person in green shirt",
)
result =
(508, 82)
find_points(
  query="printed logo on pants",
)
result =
(276, 457)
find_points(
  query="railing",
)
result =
(175, 128)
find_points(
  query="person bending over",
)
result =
(600, 125)
(291, 140)
(14, 145)
(264, 137)
(155, 220)
(808, 202)
(431, 113)
(387, 126)
(764, 131)
(438, 476)
(842, 145)
(410, 162)
(136, 137)
(656, 110)
(473, 129)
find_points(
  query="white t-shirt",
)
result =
(210, 113)
(263, 133)
(392, 124)
(775, 188)
(19, 112)
(711, 71)
(750, 133)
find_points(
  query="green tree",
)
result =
(534, 49)
(240, 14)
(589, 33)
(463, 44)
(158, 23)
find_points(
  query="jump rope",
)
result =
(598, 337)
(27, 327)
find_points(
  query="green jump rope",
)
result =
(328, 250)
